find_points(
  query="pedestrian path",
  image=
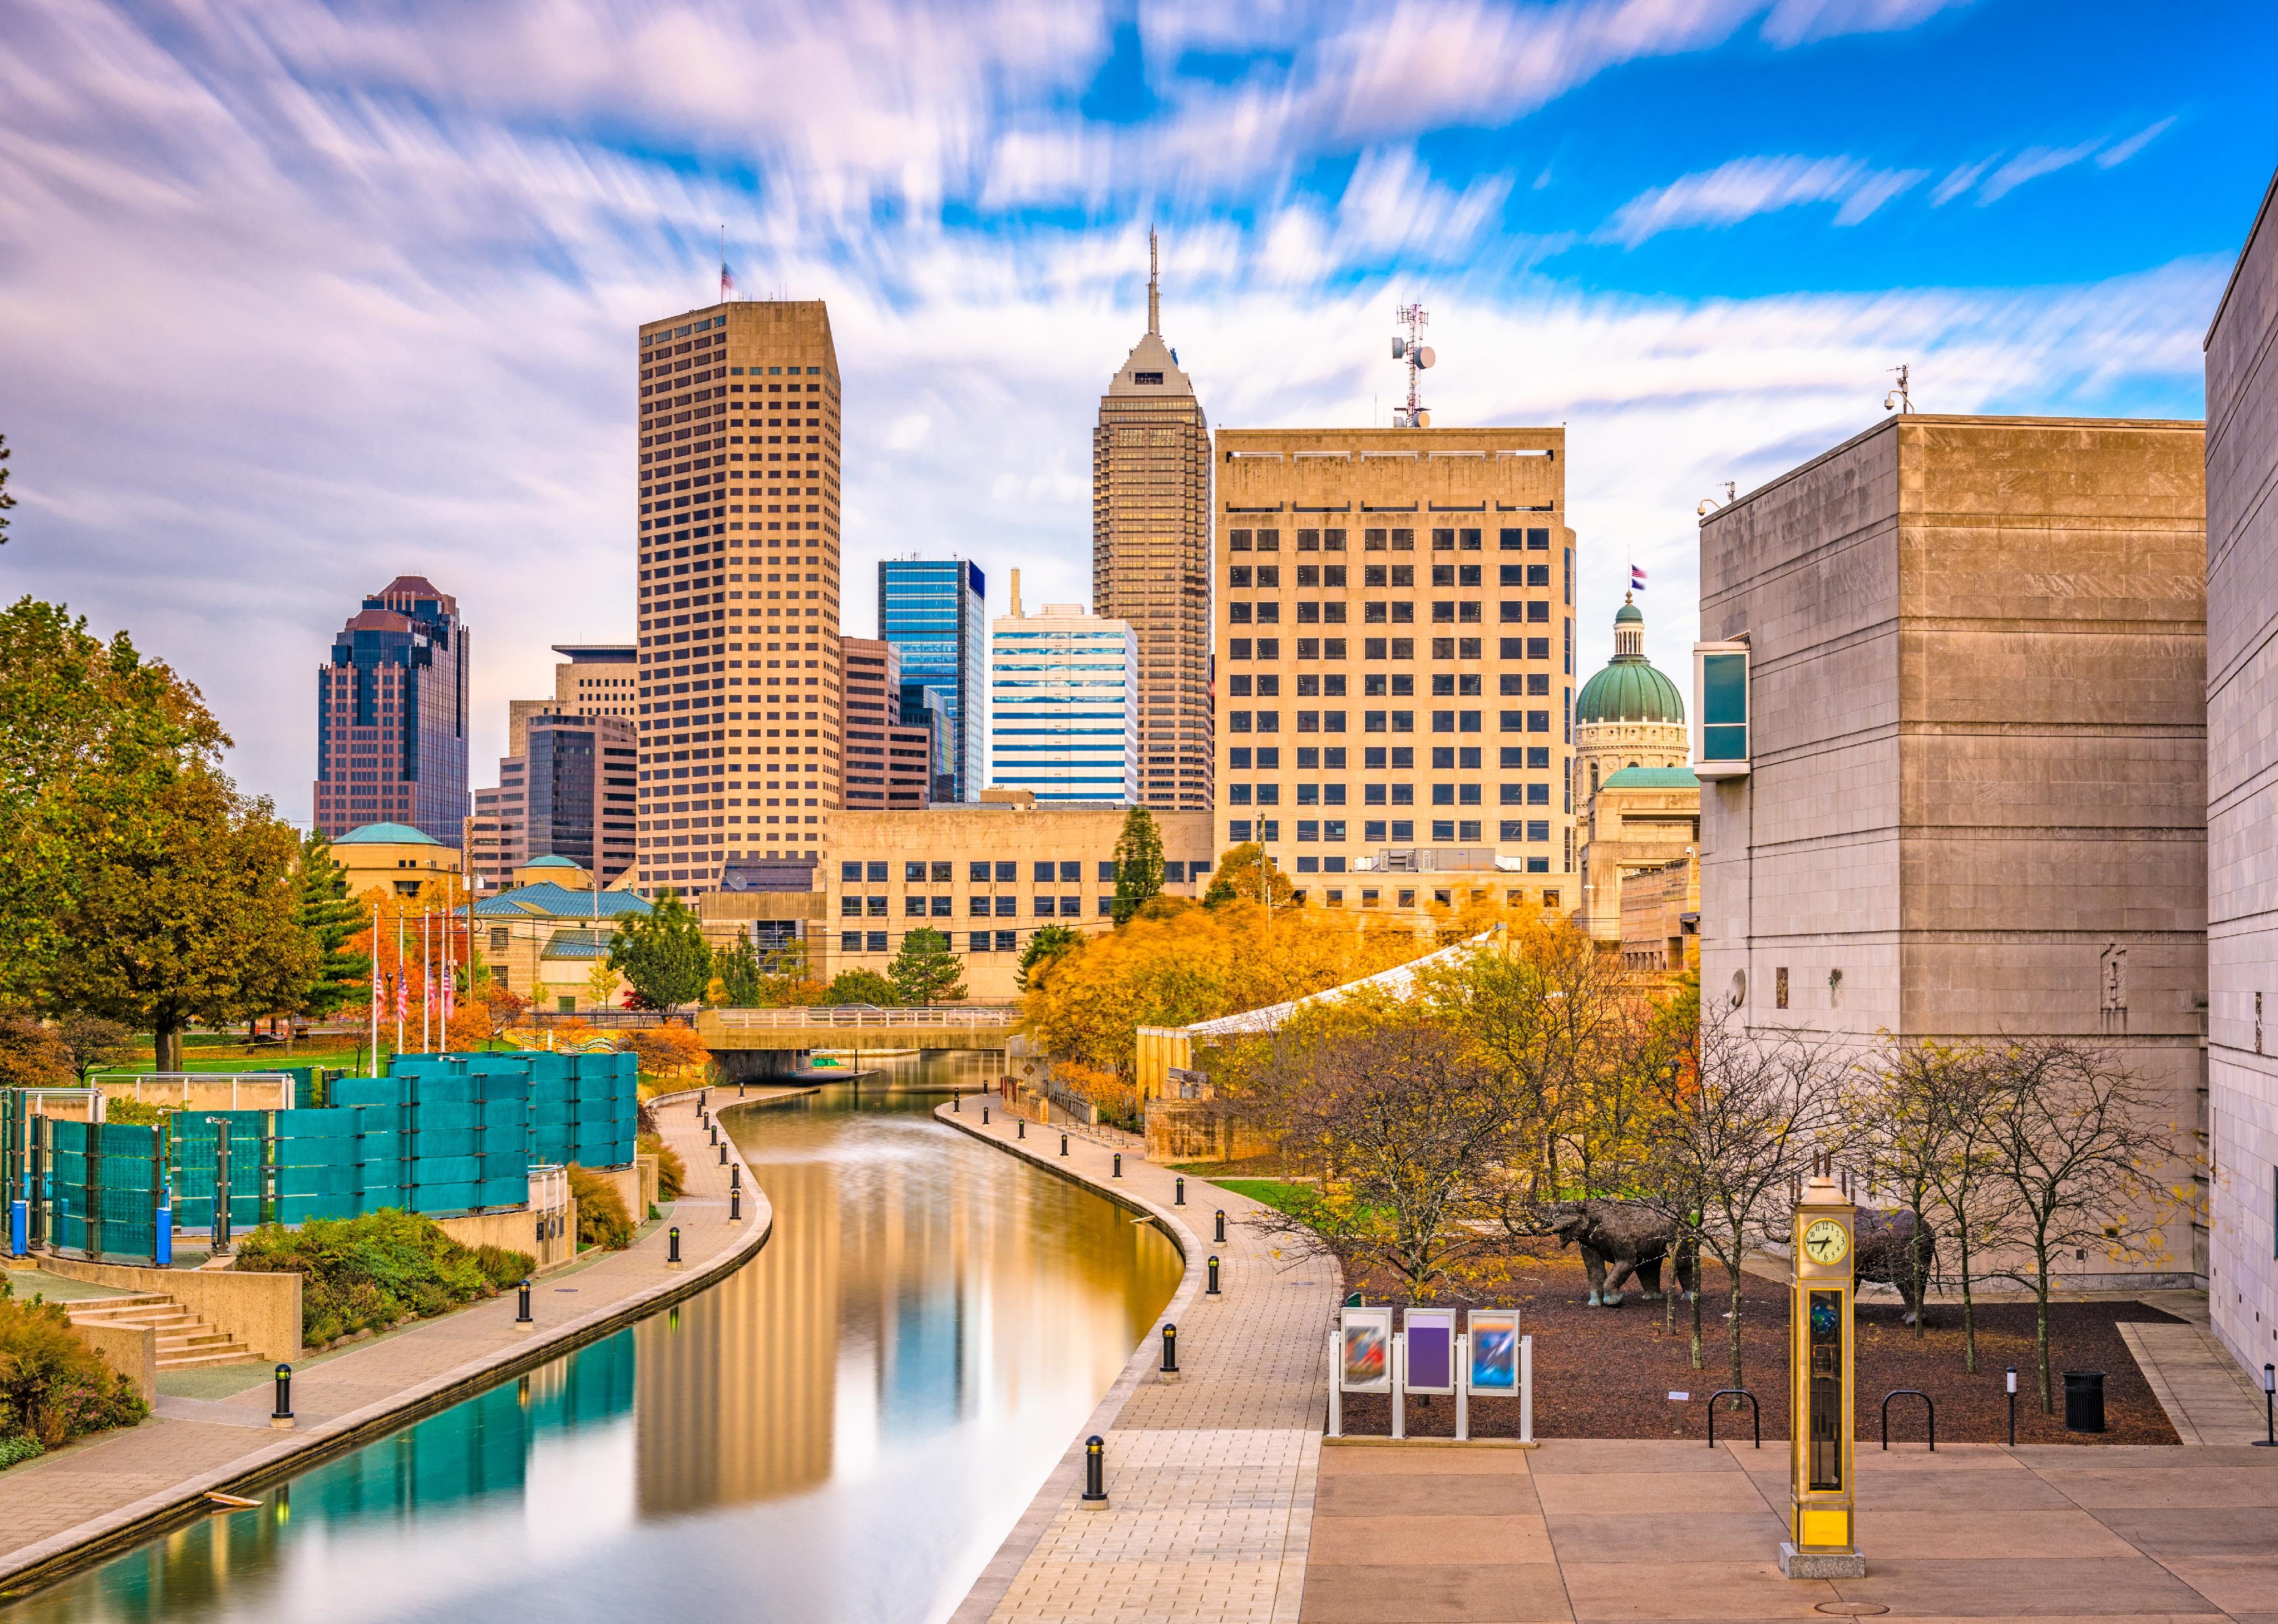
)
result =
(1592, 1531)
(109, 1488)
(1209, 1479)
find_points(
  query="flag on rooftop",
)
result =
(1637, 579)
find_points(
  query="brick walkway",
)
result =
(107, 1488)
(1210, 1481)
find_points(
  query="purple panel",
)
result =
(1431, 1357)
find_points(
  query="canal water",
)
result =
(844, 1430)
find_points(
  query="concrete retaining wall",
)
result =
(130, 1349)
(261, 1311)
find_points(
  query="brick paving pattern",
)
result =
(98, 1488)
(1209, 1479)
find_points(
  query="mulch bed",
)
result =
(1602, 1373)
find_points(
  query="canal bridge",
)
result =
(751, 1043)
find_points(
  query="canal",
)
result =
(844, 1430)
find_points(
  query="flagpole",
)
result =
(374, 993)
(399, 980)
(426, 980)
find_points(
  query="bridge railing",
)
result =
(835, 1015)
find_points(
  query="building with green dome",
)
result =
(1637, 802)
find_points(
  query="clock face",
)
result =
(1826, 1241)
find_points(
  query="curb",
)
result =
(181, 1502)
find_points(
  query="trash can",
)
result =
(2083, 1400)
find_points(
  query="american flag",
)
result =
(1637, 579)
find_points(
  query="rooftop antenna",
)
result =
(1898, 399)
(1154, 294)
(1419, 356)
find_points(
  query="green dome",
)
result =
(1629, 615)
(387, 834)
(1629, 690)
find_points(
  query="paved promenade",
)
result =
(1210, 1481)
(109, 1489)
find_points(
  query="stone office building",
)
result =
(2242, 696)
(1970, 799)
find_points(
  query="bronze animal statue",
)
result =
(1621, 1241)
(1890, 1248)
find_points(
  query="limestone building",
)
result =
(593, 679)
(1640, 803)
(738, 689)
(1151, 538)
(888, 765)
(2242, 676)
(1395, 644)
(1970, 799)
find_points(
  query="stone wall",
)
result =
(261, 1311)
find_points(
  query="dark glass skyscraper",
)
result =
(935, 610)
(392, 715)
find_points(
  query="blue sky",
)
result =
(297, 297)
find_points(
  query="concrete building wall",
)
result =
(2241, 470)
(1977, 745)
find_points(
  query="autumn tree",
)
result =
(33, 1055)
(1977, 1211)
(1246, 873)
(1048, 944)
(2073, 1143)
(925, 971)
(1908, 1134)
(663, 954)
(1138, 864)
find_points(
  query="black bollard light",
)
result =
(2013, 1407)
(984, 1116)
(739, 1091)
(735, 1206)
(1170, 1349)
(1213, 1276)
(1021, 1131)
(723, 1155)
(957, 1104)
(282, 1415)
(1179, 1193)
(672, 1245)
(2269, 1438)
(1220, 1236)
(735, 1177)
(1119, 1166)
(522, 1305)
(1063, 1145)
(1094, 1470)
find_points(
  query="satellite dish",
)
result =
(1424, 355)
(1399, 348)
(1423, 420)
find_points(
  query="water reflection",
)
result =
(844, 1430)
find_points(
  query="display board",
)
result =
(1365, 1349)
(1430, 1351)
(1493, 1351)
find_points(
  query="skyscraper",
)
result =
(739, 671)
(935, 610)
(1396, 651)
(888, 763)
(392, 715)
(568, 791)
(1062, 701)
(1150, 554)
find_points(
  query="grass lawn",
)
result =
(1273, 1192)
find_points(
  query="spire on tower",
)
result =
(1154, 296)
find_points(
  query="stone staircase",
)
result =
(185, 1341)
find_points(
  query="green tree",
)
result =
(737, 968)
(1138, 864)
(663, 954)
(1247, 871)
(1047, 944)
(332, 918)
(925, 971)
(861, 986)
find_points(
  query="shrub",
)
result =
(671, 1171)
(16, 1450)
(53, 1387)
(368, 1273)
(504, 1266)
(602, 1220)
(136, 1113)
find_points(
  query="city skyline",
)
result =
(1695, 304)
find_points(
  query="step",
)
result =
(96, 1307)
(203, 1341)
(237, 1352)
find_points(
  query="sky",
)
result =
(296, 297)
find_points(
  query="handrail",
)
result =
(840, 1015)
(1755, 1413)
(1929, 1405)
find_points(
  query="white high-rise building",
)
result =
(1064, 705)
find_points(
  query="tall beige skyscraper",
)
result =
(1150, 556)
(738, 669)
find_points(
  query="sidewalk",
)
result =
(1210, 1480)
(89, 1498)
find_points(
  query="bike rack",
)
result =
(1755, 1413)
(1929, 1405)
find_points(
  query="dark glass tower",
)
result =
(392, 717)
(935, 611)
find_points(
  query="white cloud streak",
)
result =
(1746, 188)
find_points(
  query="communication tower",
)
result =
(1419, 356)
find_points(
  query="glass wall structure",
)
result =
(1064, 706)
(935, 611)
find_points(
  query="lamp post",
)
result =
(220, 1244)
(2269, 1438)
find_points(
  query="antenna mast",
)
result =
(1419, 356)
(1154, 295)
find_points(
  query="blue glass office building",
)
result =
(935, 610)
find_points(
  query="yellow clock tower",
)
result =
(1821, 1502)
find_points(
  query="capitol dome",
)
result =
(1629, 689)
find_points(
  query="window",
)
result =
(914, 907)
(876, 942)
(1006, 940)
(1237, 830)
(1008, 907)
(977, 871)
(1046, 871)
(1107, 871)
(877, 875)
(1071, 873)
(978, 907)
(977, 941)
(850, 907)
(850, 941)
(850, 872)
(1779, 987)
(1046, 908)
(914, 873)
(941, 907)
(877, 907)
(1007, 873)
(941, 872)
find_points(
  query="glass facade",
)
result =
(392, 717)
(1063, 708)
(933, 611)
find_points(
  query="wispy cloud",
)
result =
(1746, 188)
(2120, 151)
(2031, 164)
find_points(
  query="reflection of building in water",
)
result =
(734, 1388)
(922, 1069)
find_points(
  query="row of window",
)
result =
(1397, 832)
(1375, 794)
(979, 908)
(1399, 647)
(976, 941)
(1396, 612)
(1395, 684)
(1247, 577)
(1396, 539)
(1377, 721)
(1376, 758)
(984, 871)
